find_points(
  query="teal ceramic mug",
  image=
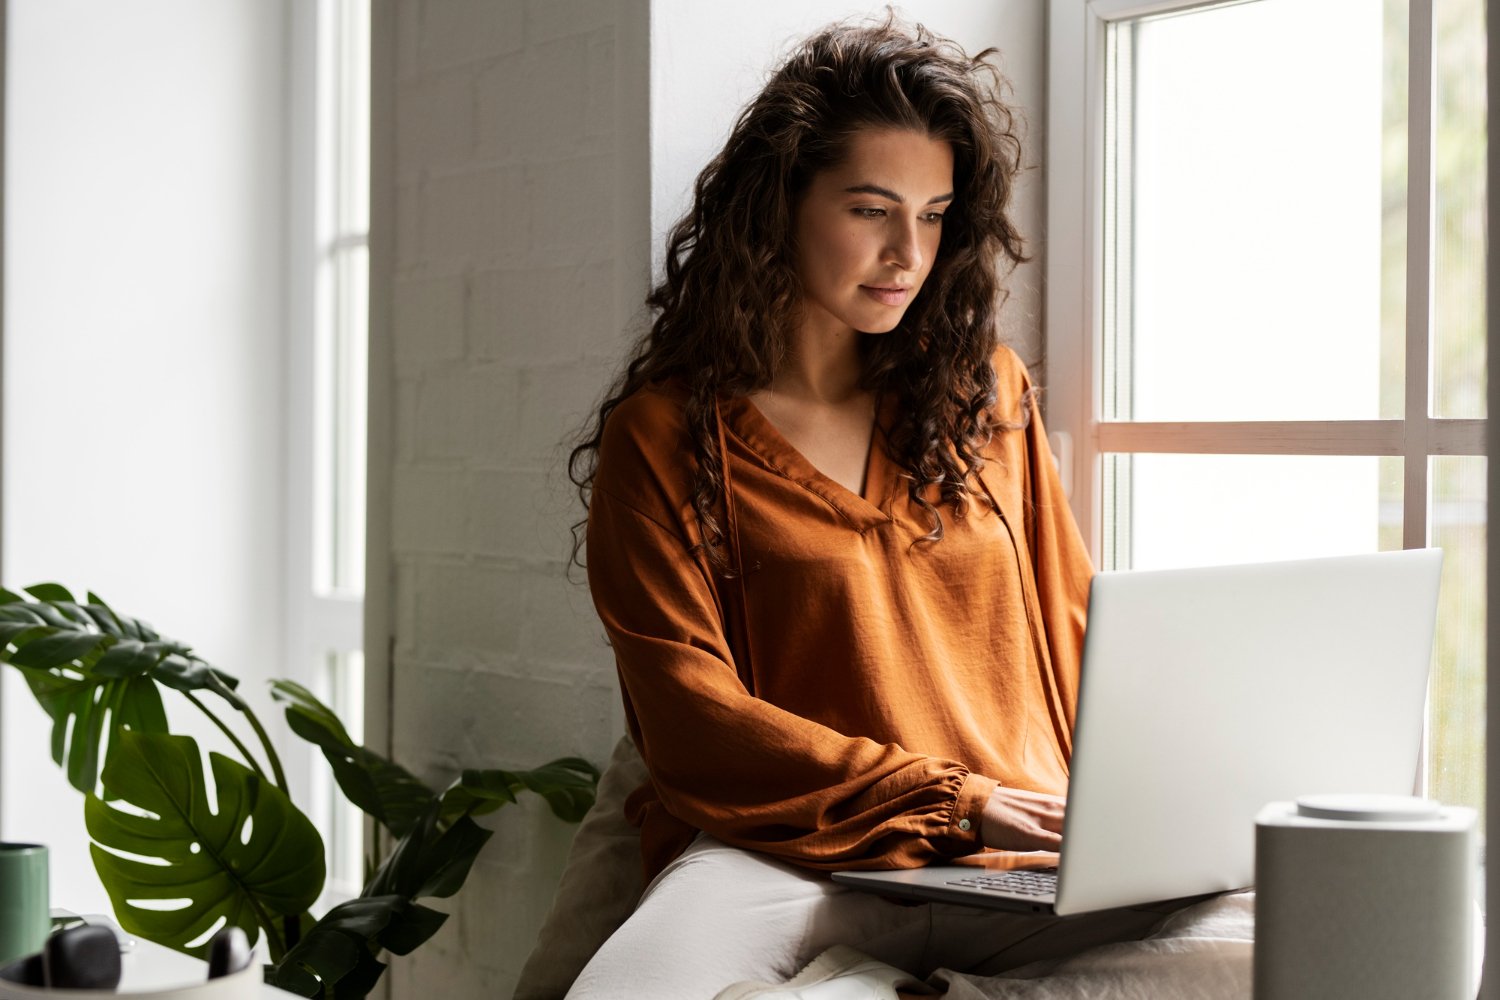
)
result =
(25, 911)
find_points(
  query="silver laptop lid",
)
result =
(1207, 693)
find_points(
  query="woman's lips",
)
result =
(886, 296)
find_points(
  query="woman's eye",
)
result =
(931, 218)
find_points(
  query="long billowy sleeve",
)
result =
(721, 760)
(1060, 559)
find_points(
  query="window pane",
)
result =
(340, 421)
(354, 115)
(351, 362)
(344, 681)
(1250, 222)
(1203, 510)
(1456, 736)
(1458, 230)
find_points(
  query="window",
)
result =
(327, 361)
(1266, 296)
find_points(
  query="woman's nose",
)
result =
(903, 247)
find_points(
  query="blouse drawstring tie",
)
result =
(737, 618)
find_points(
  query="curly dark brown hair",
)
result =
(729, 299)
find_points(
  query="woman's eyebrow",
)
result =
(893, 196)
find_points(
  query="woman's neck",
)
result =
(815, 401)
(821, 367)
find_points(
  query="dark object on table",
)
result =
(79, 958)
(25, 971)
(82, 958)
(228, 952)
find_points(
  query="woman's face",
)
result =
(867, 231)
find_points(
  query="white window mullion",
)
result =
(1456, 437)
(1116, 382)
(1255, 437)
(301, 362)
(1075, 254)
(1115, 355)
(326, 401)
(1420, 194)
(1419, 267)
(334, 624)
(1294, 437)
(1120, 10)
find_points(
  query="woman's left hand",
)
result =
(1019, 820)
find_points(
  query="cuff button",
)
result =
(963, 824)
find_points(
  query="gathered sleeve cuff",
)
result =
(968, 815)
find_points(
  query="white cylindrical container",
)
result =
(1364, 896)
(247, 984)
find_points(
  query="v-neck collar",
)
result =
(755, 430)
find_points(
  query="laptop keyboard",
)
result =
(1031, 882)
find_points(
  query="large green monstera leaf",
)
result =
(385, 790)
(568, 785)
(95, 671)
(180, 861)
(252, 861)
(80, 705)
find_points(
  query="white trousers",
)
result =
(719, 915)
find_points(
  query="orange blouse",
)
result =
(890, 683)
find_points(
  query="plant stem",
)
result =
(273, 938)
(244, 750)
(260, 732)
(265, 742)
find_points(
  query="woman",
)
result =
(828, 542)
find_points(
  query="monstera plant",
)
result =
(179, 861)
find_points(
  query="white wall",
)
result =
(523, 200)
(142, 364)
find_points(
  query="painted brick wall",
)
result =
(510, 290)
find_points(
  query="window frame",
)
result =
(318, 622)
(1074, 334)
(1075, 303)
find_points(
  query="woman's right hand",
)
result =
(1018, 820)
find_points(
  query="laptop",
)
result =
(1205, 694)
